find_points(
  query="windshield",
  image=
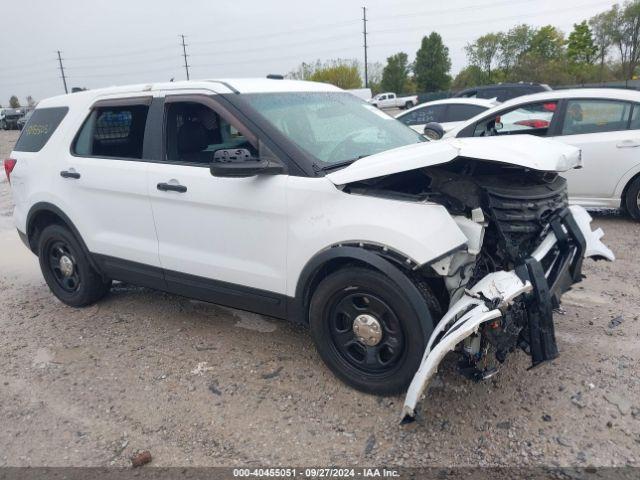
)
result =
(333, 127)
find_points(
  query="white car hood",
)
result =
(522, 150)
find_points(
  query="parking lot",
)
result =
(201, 385)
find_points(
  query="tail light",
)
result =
(9, 164)
(549, 107)
(533, 123)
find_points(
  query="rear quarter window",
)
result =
(39, 128)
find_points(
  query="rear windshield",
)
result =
(39, 128)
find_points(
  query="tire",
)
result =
(431, 134)
(3, 125)
(383, 368)
(408, 105)
(631, 199)
(66, 268)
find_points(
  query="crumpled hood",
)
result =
(522, 150)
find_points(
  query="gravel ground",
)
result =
(202, 385)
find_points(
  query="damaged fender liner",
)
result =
(563, 249)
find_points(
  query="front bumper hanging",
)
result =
(544, 276)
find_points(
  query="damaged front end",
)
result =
(504, 287)
(524, 249)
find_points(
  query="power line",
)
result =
(129, 53)
(184, 53)
(493, 19)
(64, 80)
(235, 39)
(432, 13)
(312, 41)
(364, 32)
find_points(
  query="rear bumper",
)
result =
(543, 277)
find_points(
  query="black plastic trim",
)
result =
(23, 238)
(135, 273)
(192, 286)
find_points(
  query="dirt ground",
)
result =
(202, 385)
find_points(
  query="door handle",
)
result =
(628, 144)
(69, 174)
(170, 187)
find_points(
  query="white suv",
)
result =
(298, 200)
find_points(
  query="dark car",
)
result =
(23, 120)
(9, 118)
(503, 91)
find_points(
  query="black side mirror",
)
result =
(239, 163)
(433, 131)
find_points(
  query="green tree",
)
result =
(581, 47)
(341, 73)
(432, 65)
(305, 70)
(547, 43)
(483, 53)
(602, 27)
(395, 73)
(14, 102)
(468, 77)
(625, 35)
(514, 44)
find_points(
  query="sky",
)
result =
(120, 42)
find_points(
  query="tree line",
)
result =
(603, 48)
(14, 102)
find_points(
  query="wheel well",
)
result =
(326, 269)
(623, 203)
(435, 284)
(38, 223)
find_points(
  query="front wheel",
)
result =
(366, 331)
(631, 199)
(66, 268)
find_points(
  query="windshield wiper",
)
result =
(344, 163)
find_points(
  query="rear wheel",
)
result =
(366, 330)
(408, 105)
(631, 199)
(66, 268)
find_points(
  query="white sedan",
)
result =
(449, 113)
(604, 123)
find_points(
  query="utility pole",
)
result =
(184, 54)
(64, 79)
(366, 67)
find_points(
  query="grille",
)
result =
(520, 215)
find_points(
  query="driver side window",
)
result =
(532, 118)
(194, 132)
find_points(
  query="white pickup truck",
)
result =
(391, 100)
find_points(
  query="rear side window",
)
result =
(635, 117)
(460, 112)
(39, 128)
(116, 132)
(531, 118)
(421, 116)
(595, 116)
